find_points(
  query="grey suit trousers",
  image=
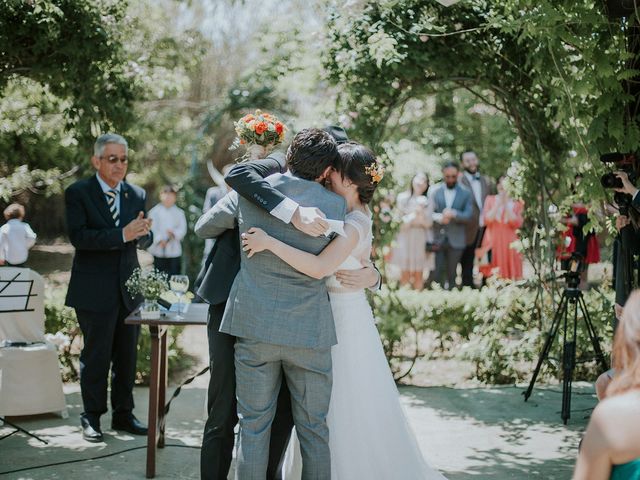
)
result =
(447, 259)
(259, 370)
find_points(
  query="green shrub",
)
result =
(62, 319)
(501, 328)
(510, 334)
(178, 360)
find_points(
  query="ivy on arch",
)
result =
(555, 68)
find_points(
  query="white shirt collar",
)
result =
(105, 187)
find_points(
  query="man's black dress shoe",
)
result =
(128, 423)
(91, 429)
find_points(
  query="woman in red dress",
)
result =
(502, 217)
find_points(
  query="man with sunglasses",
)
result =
(105, 221)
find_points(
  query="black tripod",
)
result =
(18, 428)
(572, 295)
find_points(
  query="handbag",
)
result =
(432, 247)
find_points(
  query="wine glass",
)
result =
(179, 284)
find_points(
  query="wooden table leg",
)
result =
(157, 332)
(162, 390)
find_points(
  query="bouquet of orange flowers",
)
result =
(260, 128)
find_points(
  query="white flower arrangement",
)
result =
(60, 340)
(149, 283)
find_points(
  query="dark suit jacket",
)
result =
(623, 285)
(223, 263)
(487, 188)
(103, 261)
(455, 230)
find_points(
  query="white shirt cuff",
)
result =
(123, 238)
(378, 285)
(284, 210)
(335, 226)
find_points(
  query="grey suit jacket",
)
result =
(487, 188)
(270, 301)
(454, 231)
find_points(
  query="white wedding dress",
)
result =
(369, 434)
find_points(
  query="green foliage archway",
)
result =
(556, 68)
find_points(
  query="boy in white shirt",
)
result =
(169, 226)
(16, 237)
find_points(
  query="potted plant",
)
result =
(150, 284)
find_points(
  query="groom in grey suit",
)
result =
(282, 318)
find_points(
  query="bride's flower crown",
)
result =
(375, 171)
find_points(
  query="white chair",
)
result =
(30, 379)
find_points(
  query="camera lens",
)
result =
(610, 180)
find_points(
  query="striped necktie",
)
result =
(111, 201)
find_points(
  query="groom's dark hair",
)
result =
(311, 152)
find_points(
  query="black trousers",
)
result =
(447, 259)
(466, 264)
(468, 257)
(109, 344)
(218, 438)
(170, 266)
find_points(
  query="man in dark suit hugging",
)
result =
(105, 221)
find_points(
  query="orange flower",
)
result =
(279, 128)
(247, 118)
(375, 171)
(242, 142)
(261, 128)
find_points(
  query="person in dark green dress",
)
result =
(611, 446)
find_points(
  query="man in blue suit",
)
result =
(452, 209)
(105, 221)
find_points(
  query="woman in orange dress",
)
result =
(502, 217)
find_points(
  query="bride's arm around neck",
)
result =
(315, 266)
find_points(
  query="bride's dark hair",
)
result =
(356, 159)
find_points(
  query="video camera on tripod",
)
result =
(572, 267)
(572, 307)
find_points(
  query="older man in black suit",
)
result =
(105, 220)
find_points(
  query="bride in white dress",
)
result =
(369, 434)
